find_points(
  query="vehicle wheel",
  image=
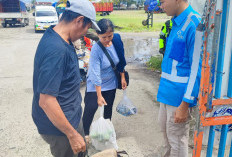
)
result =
(23, 24)
(11, 25)
(27, 22)
(4, 25)
(108, 13)
(144, 22)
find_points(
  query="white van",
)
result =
(45, 16)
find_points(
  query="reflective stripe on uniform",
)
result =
(194, 67)
(189, 19)
(173, 76)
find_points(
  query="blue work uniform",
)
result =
(181, 66)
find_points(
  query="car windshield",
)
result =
(45, 13)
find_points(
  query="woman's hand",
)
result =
(101, 101)
(123, 81)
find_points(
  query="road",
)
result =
(139, 135)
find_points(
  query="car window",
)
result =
(45, 13)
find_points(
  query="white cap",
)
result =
(85, 8)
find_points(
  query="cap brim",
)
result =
(95, 26)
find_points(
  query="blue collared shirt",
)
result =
(181, 66)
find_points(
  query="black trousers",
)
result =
(60, 146)
(91, 107)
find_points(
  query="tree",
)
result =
(33, 2)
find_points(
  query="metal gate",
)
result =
(213, 38)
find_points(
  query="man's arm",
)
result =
(55, 114)
(192, 88)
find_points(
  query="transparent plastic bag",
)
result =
(125, 106)
(102, 133)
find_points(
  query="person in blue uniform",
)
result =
(180, 78)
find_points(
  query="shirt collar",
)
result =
(179, 19)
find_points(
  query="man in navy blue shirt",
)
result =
(56, 108)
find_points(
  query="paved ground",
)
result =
(139, 135)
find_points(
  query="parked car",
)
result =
(123, 6)
(45, 16)
(132, 7)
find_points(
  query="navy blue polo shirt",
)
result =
(56, 73)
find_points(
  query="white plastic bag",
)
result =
(125, 106)
(102, 133)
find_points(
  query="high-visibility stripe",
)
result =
(174, 70)
(195, 65)
(162, 33)
(189, 19)
(174, 78)
(187, 22)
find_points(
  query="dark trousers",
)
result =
(91, 107)
(60, 146)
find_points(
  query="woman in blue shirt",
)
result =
(101, 78)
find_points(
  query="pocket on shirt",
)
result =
(177, 50)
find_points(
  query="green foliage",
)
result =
(33, 1)
(155, 62)
(131, 21)
(62, 1)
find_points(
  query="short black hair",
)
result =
(68, 16)
(105, 25)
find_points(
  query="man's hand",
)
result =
(182, 113)
(101, 101)
(77, 142)
(55, 114)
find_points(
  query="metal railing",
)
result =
(212, 32)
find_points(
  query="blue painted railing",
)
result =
(222, 45)
(222, 144)
(211, 141)
(229, 92)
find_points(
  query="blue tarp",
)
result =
(54, 4)
(22, 6)
(13, 6)
(152, 5)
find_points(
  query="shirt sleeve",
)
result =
(51, 73)
(94, 71)
(192, 88)
(122, 60)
